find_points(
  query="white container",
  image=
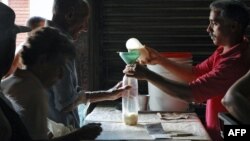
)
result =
(160, 101)
(130, 105)
(143, 102)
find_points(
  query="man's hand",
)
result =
(117, 91)
(90, 131)
(87, 132)
(153, 57)
(137, 71)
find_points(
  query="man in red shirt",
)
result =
(209, 80)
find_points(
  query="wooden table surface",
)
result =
(115, 129)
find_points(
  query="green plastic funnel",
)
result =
(129, 57)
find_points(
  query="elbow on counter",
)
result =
(237, 105)
(229, 100)
(225, 102)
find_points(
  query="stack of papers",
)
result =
(156, 131)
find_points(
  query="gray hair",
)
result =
(232, 9)
(63, 6)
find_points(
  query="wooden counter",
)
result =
(115, 129)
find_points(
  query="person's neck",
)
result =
(233, 43)
(39, 75)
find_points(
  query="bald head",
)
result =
(64, 6)
(71, 16)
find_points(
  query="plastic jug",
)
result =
(130, 105)
(159, 100)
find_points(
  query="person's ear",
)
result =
(235, 26)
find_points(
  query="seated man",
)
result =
(44, 55)
(237, 99)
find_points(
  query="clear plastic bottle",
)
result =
(130, 105)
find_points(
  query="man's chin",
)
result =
(77, 36)
(215, 43)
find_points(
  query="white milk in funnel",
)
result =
(135, 44)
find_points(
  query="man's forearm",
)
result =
(96, 96)
(173, 88)
(180, 70)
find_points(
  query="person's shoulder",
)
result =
(22, 80)
(10, 83)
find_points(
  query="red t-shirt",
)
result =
(215, 75)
